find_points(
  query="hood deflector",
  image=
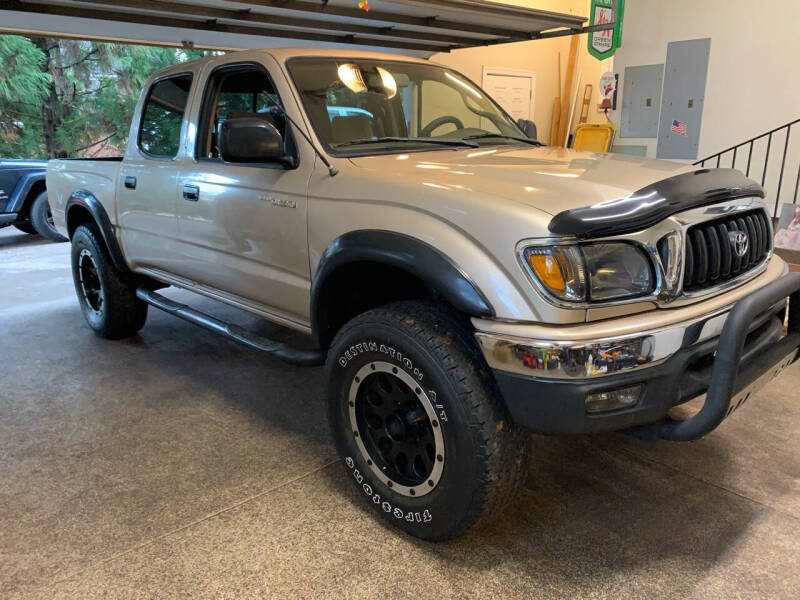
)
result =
(654, 203)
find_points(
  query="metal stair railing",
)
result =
(734, 151)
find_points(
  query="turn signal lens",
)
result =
(548, 271)
(559, 269)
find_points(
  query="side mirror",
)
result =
(528, 127)
(250, 140)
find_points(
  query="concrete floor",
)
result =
(177, 464)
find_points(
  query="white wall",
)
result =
(540, 56)
(753, 80)
(754, 69)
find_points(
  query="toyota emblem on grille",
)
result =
(740, 242)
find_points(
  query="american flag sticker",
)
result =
(678, 127)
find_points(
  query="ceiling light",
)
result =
(350, 75)
(388, 81)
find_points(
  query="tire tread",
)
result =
(39, 222)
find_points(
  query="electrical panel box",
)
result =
(682, 102)
(641, 101)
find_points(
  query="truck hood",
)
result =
(549, 179)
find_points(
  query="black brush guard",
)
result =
(731, 381)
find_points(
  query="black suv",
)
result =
(23, 198)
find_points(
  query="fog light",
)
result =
(613, 399)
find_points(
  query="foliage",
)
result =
(163, 117)
(72, 98)
(22, 87)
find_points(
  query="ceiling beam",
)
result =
(44, 32)
(210, 12)
(546, 35)
(167, 21)
(433, 21)
(508, 11)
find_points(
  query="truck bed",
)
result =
(66, 175)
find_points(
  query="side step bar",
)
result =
(308, 358)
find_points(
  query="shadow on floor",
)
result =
(587, 510)
(19, 239)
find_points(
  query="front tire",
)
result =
(42, 219)
(106, 296)
(419, 420)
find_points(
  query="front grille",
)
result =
(712, 256)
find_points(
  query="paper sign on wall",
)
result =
(608, 83)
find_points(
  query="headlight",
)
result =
(591, 272)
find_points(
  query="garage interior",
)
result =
(179, 464)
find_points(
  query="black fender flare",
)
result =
(419, 258)
(86, 200)
(23, 188)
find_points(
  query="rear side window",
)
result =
(160, 131)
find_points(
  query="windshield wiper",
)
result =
(481, 136)
(416, 140)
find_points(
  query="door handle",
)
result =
(191, 193)
(130, 183)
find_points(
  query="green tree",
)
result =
(61, 98)
(23, 86)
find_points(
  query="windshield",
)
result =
(362, 106)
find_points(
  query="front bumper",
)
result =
(723, 355)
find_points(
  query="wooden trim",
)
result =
(561, 140)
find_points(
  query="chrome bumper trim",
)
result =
(594, 358)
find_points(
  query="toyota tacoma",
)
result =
(463, 284)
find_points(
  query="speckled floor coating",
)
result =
(177, 464)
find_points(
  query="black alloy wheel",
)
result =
(91, 286)
(396, 429)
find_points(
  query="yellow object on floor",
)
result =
(594, 137)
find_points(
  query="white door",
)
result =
(513, 90)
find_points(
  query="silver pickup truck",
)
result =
(463, 284)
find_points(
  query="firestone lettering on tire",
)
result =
(358, 476)
(411, 516)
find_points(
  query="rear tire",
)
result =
(26, 228)
(106, 296)
(42, 219)
(419, 421)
